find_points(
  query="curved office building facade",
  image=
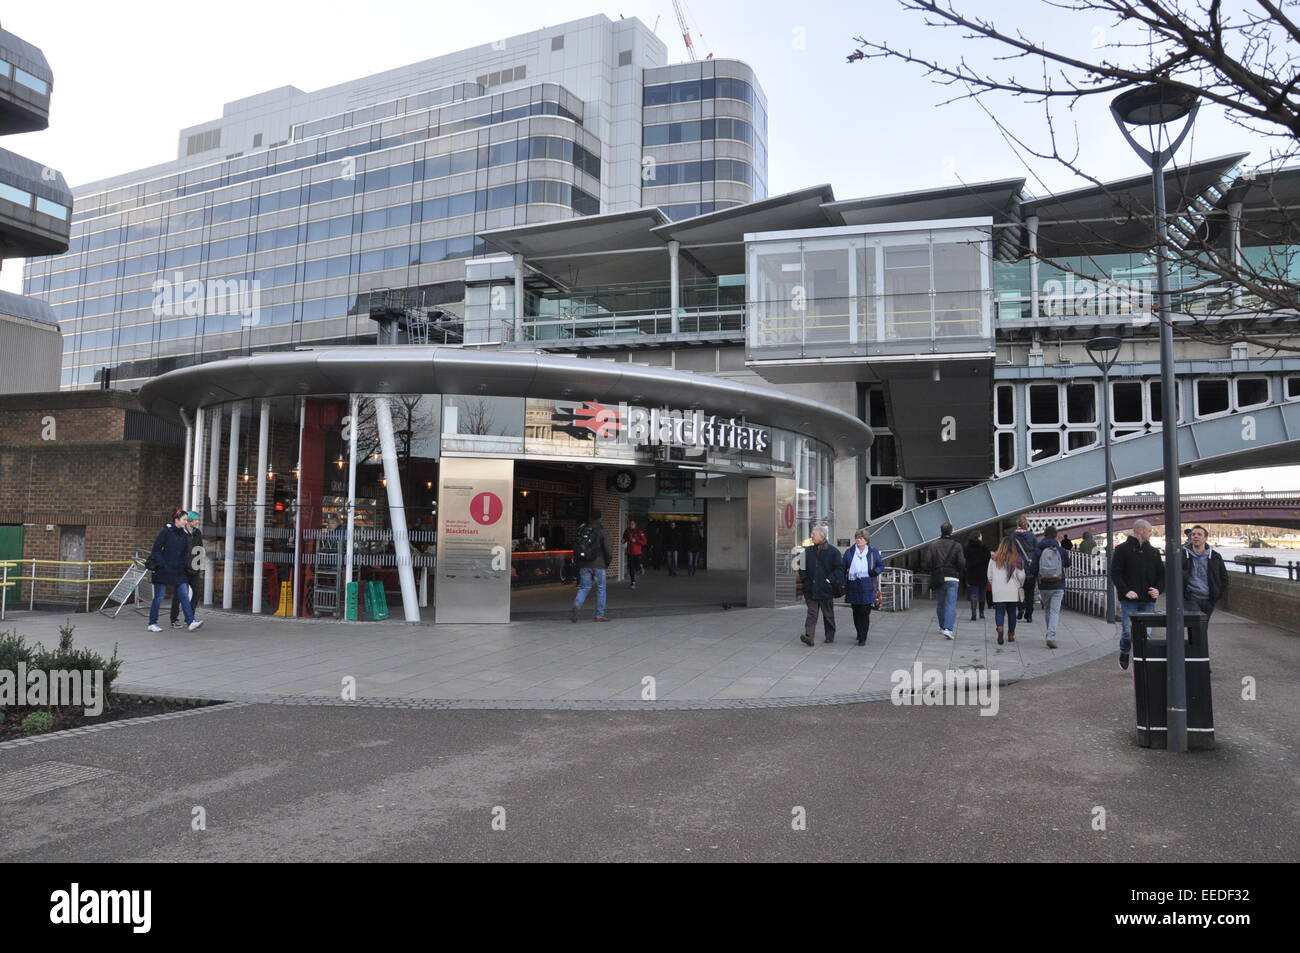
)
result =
(441, 480)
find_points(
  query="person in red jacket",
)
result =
(635, 541)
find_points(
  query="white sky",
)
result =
(128, 77)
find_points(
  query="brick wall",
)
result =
(1264, 599)
(87, 476)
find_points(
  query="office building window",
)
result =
(557, 42)
(625, 58)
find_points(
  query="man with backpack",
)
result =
(1052, 561)
(946, 561)
(591, 556)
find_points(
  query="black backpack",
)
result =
(588, 546)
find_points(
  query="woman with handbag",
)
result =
(822, 576)
(862, 564)
(1007, 578)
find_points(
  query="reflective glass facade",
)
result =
(302, 238)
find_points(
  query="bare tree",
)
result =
(1240, 57)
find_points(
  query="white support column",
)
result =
(397, 510)
(259, 531)
(674, 282)
(214, 478)
(189, 451)
(1234, 246)
(1032, 223)
(232, 491)
(352, 488)
(297, 509)
(519, 297)
(196, 475)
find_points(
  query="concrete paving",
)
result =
(1054, 776)
(697, 656)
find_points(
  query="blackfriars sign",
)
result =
(630, 425)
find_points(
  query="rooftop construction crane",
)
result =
(686, 31)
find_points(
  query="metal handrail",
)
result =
(6, 580)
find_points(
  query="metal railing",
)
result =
(1086, 583)
(895, 589)
(10, 575)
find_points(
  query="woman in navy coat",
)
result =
(169, 560)
(862, 564)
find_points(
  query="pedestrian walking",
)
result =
(672, 543)
(1052, 561)
(1137, 572)
(947, 564)
(692, 544)
(1027, 548)
(591, 556)
(1006, 578)
(193, 567)
(167, 560)
(1205, 576)
(862, 564)
(977, 573)
(635, 541)
(1087, 545)
(822, 576)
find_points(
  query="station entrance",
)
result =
(696, 543)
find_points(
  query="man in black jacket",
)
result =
(1204, 576)
(1138, 574)
(945, 556)
(591, 555)
(822, 566)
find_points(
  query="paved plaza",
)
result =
(699, 655)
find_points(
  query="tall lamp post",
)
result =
(1155, 105)
(1104, 351)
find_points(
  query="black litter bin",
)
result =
(1150, 681)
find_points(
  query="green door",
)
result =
(11, 548)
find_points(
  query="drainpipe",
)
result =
(1032, 223)
(519, 297)
(1234, 247)
(397, 510)
(674, 290)
(259, 531)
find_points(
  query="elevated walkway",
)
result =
(1269, 436)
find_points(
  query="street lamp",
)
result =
(1155, 105)
(1104, 351)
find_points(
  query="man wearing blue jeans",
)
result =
(1138, 574)
(946, 554)
(1051, 560)
(591, 556)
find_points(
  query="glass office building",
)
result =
(296, 215)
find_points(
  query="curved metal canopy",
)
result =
(452, 370)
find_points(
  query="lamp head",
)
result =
(1103, 345)
(1152, 104)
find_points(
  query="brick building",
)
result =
(84, 475)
